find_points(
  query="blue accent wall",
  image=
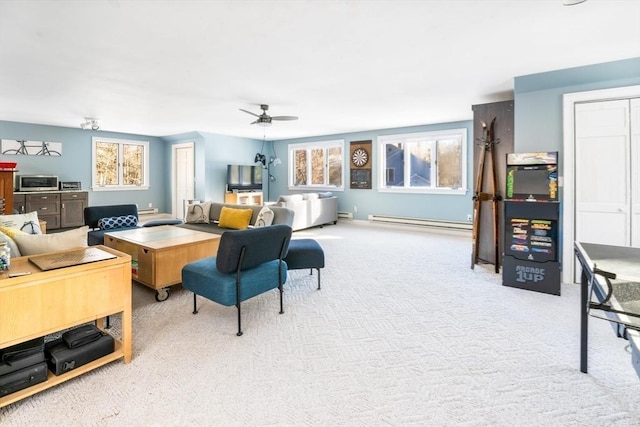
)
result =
(452, 207)
(538, 127)
(75, 162)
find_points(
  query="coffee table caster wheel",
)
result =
(162, 294)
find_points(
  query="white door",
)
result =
(183, 177)
(635, 172)
(603, 175)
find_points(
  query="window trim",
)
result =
(325, 145)
(120, 187)
(382, 140)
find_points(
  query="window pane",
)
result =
(132, 164)
(420, 168)
(317, 166)
(394, 176)
(106, 163)
(335, 166)
(300, 158)
(449, 163)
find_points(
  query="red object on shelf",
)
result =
(8, 165)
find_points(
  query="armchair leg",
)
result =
(239, 321)
(318, 278)
(195, 309)
(281, 306)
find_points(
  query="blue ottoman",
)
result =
(305, 253)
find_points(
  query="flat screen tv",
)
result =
(244, 178)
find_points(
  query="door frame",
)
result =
(568, 164)
(174, 172)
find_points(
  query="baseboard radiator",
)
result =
(421, 222)
(148, 211)
(345, 215)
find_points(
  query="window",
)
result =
(316, 165)
(426, 162)
(120, 164)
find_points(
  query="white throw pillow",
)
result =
(197, 213)
(25, 222)
(265, 217)
(33, 244)
(15, 251)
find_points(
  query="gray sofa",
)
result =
(310, 209)
(281, 215)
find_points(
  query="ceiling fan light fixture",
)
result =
(90, 122)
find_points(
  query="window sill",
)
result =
(119, 188)
(447, 191)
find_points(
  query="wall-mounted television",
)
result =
(244, 178)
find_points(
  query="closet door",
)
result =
(603, 173)
(635, 172)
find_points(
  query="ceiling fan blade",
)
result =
(284, 118)
(249, 112)
(253, 123)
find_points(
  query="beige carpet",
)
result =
(403, 332)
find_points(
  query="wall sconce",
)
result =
(90, 122)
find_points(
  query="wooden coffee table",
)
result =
(159, 253)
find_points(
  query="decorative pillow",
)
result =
(11, 232)
(197, 213)
(15, 252)
(117, 222)
(26, 222)
(237, 219)
(265, 217)
(325, 195)
(33, 244)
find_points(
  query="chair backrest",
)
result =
(92, 214)
(260, 245)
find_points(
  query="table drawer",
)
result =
(43, 198)
(44, 208)
(73, 196)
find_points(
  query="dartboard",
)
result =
(360, 157)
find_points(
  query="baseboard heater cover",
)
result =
(149, 211)
(422, 222)
(345, 215)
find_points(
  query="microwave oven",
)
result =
(36, 183)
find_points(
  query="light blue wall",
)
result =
(538, 99)
(75, 162)
(430, 206)
(213, 152)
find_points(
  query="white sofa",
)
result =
(311, 209)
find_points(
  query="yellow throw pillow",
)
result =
(237, 219)
(11, 232)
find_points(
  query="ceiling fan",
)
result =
(264, 119)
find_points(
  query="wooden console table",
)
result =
(46, 302)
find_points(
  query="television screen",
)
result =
(244, 178)
(539, 182)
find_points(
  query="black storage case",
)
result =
(61, 358)
(21, 355)
(23, 378)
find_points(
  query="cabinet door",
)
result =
(72, 209)
(19, 203)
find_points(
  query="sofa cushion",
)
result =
(32, 244)
(15, 251)
(122, 221)
(291, 198)
(197, 213)
(265, 217)
(237, 219)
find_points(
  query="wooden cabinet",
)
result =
(249, 198)
(47, 205)
(60, 209)
(46, 302)
(72, 209)
(6, 192)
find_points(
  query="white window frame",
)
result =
(120, 187)
(325, 145)
(408, 138)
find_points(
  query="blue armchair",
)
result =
(249, 262)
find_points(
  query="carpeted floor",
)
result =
(403, 332)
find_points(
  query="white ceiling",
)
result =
(168, 67)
